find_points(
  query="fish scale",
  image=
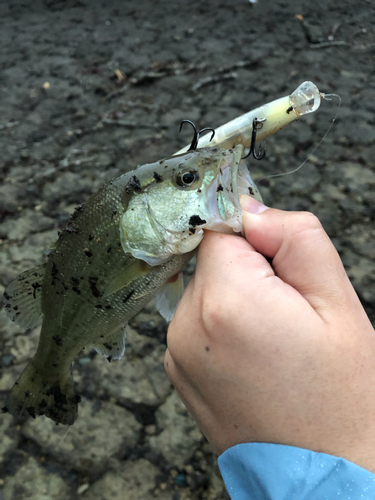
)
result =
(93, 271)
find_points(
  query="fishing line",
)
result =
(327, 97)
(64, 436)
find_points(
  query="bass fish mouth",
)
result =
(232, 181)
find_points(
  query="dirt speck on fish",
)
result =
(117, 252)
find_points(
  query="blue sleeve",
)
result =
(261, 471)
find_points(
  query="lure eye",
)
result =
(187, 178)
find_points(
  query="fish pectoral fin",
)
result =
(46, 394)
(167, 300)
(112, 345)
(130, 273)
(23, 297)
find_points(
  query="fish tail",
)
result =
(36, 393)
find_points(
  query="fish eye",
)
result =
(187, 178)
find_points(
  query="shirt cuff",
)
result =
(263, 471)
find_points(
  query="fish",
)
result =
(130, 243)
(127, 244)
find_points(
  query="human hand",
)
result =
(280, 353)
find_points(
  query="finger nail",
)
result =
(251, 205)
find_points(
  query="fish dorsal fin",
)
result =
(23, 297)
(167, 300)
(112, 345)
(130, 273)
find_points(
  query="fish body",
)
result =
(123, 247)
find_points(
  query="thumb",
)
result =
(302, 253)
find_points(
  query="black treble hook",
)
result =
(194, 142)
(258, 155)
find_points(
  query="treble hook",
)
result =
(261, 152)
(194, 142)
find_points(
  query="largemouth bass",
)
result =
(117, 252)
(127, 244)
